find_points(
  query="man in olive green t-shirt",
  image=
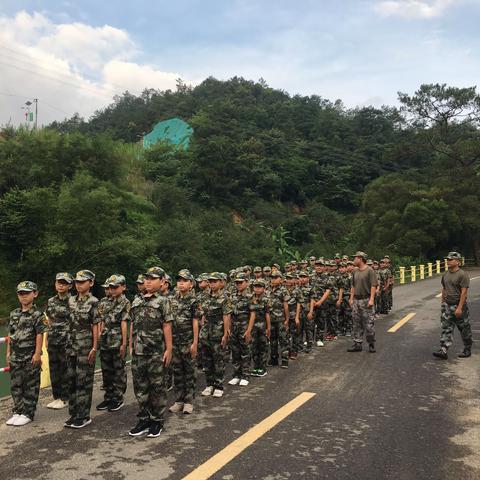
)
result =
(455, 284)
(362, 301)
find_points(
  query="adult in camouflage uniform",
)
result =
(454, 310)
(113, 344)
(321, 289)
(240, 320)
(307, 325)
(259, 328)
(215, 332)
(82, 349)
(279, 318)
(58, 314)
(24, 350)
(151, 346)
(331, 306)
(362, 300)
(186, 313)
(294, 308)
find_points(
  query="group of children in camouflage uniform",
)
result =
(256, 317)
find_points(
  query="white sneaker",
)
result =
(12, 419)
(243, 382)
(53, 404)
(57, 404)
(207, 391)
(21, 421)
(218, 393)
(305, 344)
(320, 343)
(234, 381)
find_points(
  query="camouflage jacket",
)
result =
(240, 302)
(346, 282)
(278, 296)
(23, 328)
(148, 315)
(296, 297)
(84, 314)
(215, 306)
(321, 283)
(261, 306)
(58, 313)
(117, 311)
(306, 297)
(185, 308)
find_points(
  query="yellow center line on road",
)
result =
(215, 463)
(402, 322)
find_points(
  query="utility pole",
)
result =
(35, 101)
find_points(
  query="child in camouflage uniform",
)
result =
(113, 344)
(294, 308)
(24, 354)
(82, 349)
(58, 314)
(186, 313)
(151, 347)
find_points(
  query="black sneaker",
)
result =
(467, 352)
(81, 422)
(115, 406)
(143, 426)
(105, 405)
(356, 347)
(308, 350)
(442, 353)
(284, 363)
(155, 429)
(69, 422)
(371, 348)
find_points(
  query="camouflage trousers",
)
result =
(320, 322)
(450, 321)
(295, 334)
(308, 328)
(240, 349)
(213, 361)
(259, 346)
(57, 361)
(363, 321)
(345, 317)
(80, 374)
(114, 374)
(148, 373)
(24, 387)
(388, 299)
(279, 338)
(331, 313)
(184, 372)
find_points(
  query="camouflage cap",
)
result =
(277, 273)
(291, 275)
(247, 267)
(65, 276)
(276, 265)
(140, 279)
(259, 282)
(287, 264)
(342, 264)
(375, 262)
(257, 270)
(361, 255)
(387, 257)
(293, 262)
(369, 262)
(312, 258)
(168, 278)
(84, 275)
(240, 277)
(27, 286)
(337, 255)
(350, 262)
(304, 262)
(215, 276)
(155, 272)
(224, 276)
(267, 269)
(303, 273)
(453, 256)
(114, 281)
(345, 257)
(185, 274)
(319, 261)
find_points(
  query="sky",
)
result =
(75, 56)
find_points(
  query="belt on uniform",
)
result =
(361, 297)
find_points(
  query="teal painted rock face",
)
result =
(174, 131)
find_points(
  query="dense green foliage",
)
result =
(268, 177)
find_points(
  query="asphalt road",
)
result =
(397, 414)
